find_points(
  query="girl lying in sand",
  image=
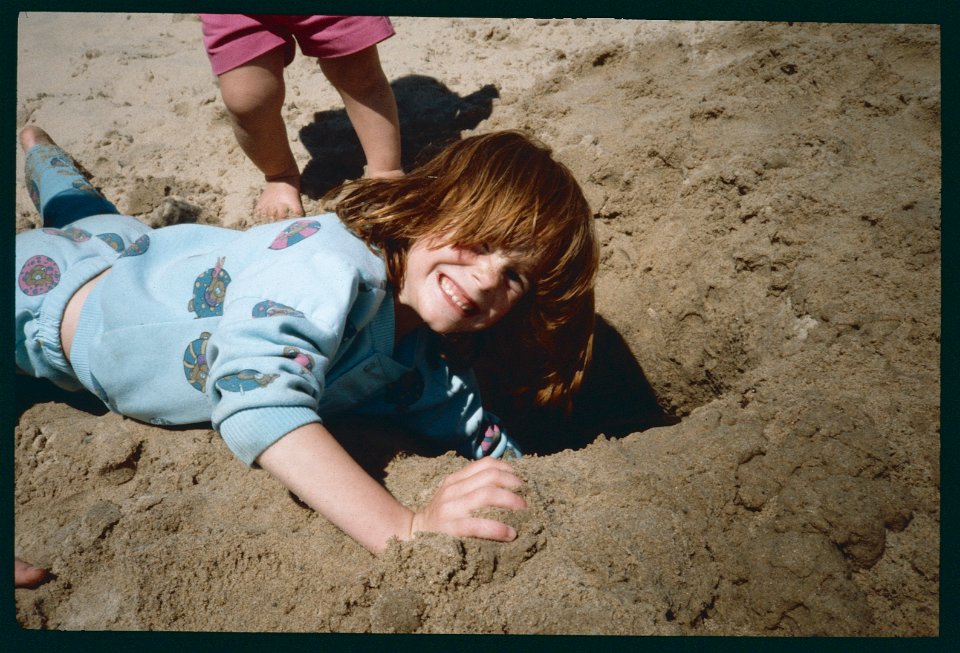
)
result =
(266, 332)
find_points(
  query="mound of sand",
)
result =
(757, 449)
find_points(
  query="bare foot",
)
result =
(32, 135)
(280, 198)
(26, 575)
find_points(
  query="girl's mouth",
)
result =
(456, 295)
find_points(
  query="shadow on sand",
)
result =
(431, 117)
(616, 399)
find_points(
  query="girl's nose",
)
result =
(489, 270)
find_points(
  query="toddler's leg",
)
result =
(253, 94)
(58, 189)
(371, 106)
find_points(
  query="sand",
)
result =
(757, 448)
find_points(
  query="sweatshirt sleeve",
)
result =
(272, 350)
(447, 409)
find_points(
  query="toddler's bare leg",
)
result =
(371, 106)
(253, 95)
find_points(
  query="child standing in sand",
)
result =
(267, 332)
(248, 53)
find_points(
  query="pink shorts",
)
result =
(232, 40)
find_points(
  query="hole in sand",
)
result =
(616, 399)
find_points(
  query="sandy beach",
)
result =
(756, 450)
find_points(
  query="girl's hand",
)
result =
(485, 483)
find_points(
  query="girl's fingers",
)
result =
(485, 483)
(492, 497)
(493, 476)
(477, 467)
(454, 511)
(487, 529)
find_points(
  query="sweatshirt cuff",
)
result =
(249, 432)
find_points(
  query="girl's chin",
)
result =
(439, 321)
(443, 324)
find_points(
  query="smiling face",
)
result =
(455, 289)
(506, 190)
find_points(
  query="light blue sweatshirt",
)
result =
(263, 331)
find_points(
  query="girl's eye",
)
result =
(517, 279)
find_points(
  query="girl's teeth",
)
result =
(451, 293)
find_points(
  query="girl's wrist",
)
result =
(403, 531)
(413, 526)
